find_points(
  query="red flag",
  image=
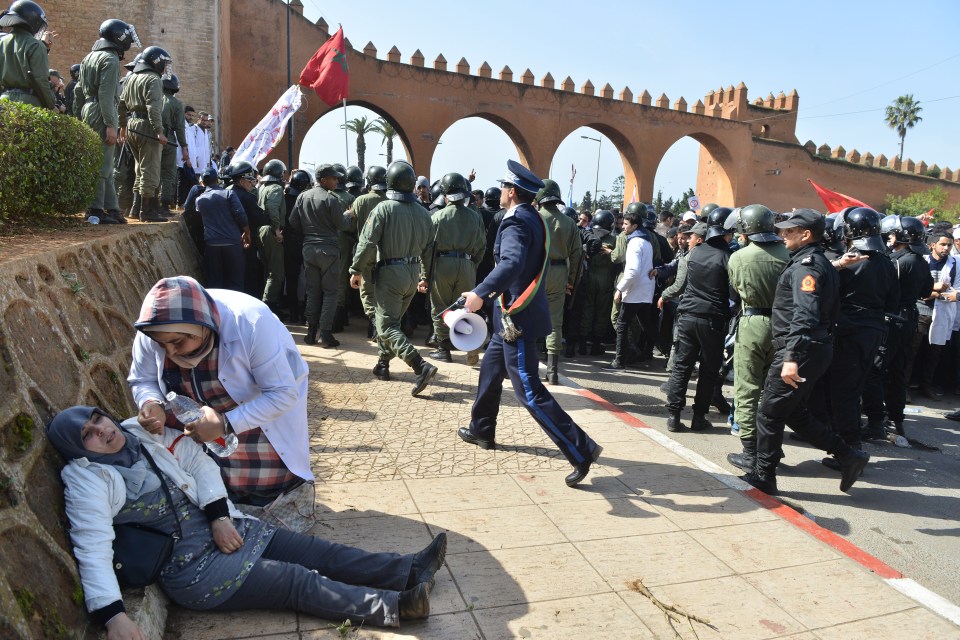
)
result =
(927, 217)
(835, 201)
(327, 71)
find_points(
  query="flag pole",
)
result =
(346, 142)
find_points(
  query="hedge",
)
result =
(49, 164)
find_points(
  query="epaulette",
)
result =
(807, 261)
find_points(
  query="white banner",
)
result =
(265, 136)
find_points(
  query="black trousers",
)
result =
(782, 405)
(853, 358)
(885, 393)
(697, 338)
(292, 263)
(642, 311)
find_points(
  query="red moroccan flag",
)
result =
(327, 71)
(835, 201)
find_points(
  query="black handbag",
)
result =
(139, 552)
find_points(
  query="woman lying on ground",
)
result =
(224, 561)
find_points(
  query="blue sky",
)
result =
(846, 59)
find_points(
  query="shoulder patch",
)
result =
(808, 284)
(807, 261)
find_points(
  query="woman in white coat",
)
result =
(231, 354)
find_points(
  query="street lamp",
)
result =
(596, 182)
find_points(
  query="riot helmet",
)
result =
(910, 231)
(341, 182)
(455, 187)
(75, 71)
(549, 193)
(435, 191)
(715, 220)
(707, 208)
(638, 208)
(354, 177)
(862, 227)
(28, 14)
(241, 169)
(155, 59)
(300, 180)
(603, 219)
(889, 224)
(120, 33)
(491, 198)
(570, 212)
(273, 171)
(171, 84)
(401, 177)
(833, 234)
(376, 178)
(756, 222)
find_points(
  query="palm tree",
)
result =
(386, 129)
(902, 115)
(360, 126)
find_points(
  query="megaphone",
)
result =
(468, 331)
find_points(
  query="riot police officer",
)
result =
(595, 322)
(391, 244)
(71, 87)
(376, 193)
(353, 180)
(271, 200)
(492, 214)
(754, 271)
(348, 243)
(24, 64)
(173, 126)
(95, 102)
(449, 264)
(804, 310)
(300, 181)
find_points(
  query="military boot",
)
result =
(874, 430)
(327, 341)
(425, 373)
(765, 481)
(852, 463)
(700, 422)
(442, 352)
(311, 337)
(117, 216)
(747, 460)
(553, 364)
(148, 210)
(135, 207)
(674, 424)
(382, 370)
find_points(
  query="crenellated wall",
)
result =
(65, 338)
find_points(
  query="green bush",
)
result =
(921, 202)
(49, 163)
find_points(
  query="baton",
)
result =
(157, 138)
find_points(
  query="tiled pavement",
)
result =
(529, 557)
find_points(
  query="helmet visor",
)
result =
(42, 31)
(168, 69)
(134, 38)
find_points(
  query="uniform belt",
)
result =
(140, 114)
(820, 338)
(18, 90)
(561, 262)
(757, 311)
(393, 261)
(454, 254)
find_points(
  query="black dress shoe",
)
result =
(428, 562)
(767, 484)
(467, 436)
(851, 467)
(955, 416)
(427, 371)
(578, 474)
(414, 603)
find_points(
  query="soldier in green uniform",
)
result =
(754, 271)
(595, 323)
(95, 102)
(450, 262)
(391, 245)
(173, 127)
(566, 251)
(141, 102)
(348, 243)
(361, 208)
(271, 200)
(24, 64)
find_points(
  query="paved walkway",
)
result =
(530, 558)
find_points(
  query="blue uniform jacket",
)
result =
(519, 252)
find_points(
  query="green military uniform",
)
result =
(598, 299)
(450, 264)
(348, 243)
(361, 208)
(95, 102)
(24, 66)
(141, 102)
(566, 252)
(271, 200)
(173, 126)
(391, 244)
(753, 271)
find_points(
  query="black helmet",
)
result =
(862, 226)
(75, 71)
(454, 186)
(354, 176)
(119, 33)
(27, 13)
(154, 59)
(242, 169)
(549, 193)
(435, 191)
(889, 224)
(912, 232)
(707, 208)
(209, 176)
(341, 182)
(833, 234)
(401, 177)
(491, 197)
(300, 180)
(273, 171)
(571, 213)
(603, 219)
(376, 178)
(715, 220)
(171, 84)
(756, 222)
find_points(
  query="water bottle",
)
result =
(93, 220)
(187, 410)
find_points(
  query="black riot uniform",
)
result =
(804, 311)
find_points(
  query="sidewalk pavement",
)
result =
(530, 558)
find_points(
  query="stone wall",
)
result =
(67, 326)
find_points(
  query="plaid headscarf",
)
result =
(177, 301)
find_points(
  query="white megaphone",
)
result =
(468, 331)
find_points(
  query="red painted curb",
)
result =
(770, 503)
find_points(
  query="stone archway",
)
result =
(307, 116)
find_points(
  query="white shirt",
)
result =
(198, 141)
(636, 285)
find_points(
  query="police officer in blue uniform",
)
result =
(521, 317)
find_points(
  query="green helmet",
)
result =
(354, 176)
(342, 182)
(756, 222)
(707, 208)
(273, 171)
(376, 178)
(455, 187)
(401, 177)
(549, 193)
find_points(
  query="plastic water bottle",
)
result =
(187, 410)
(93, 220)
